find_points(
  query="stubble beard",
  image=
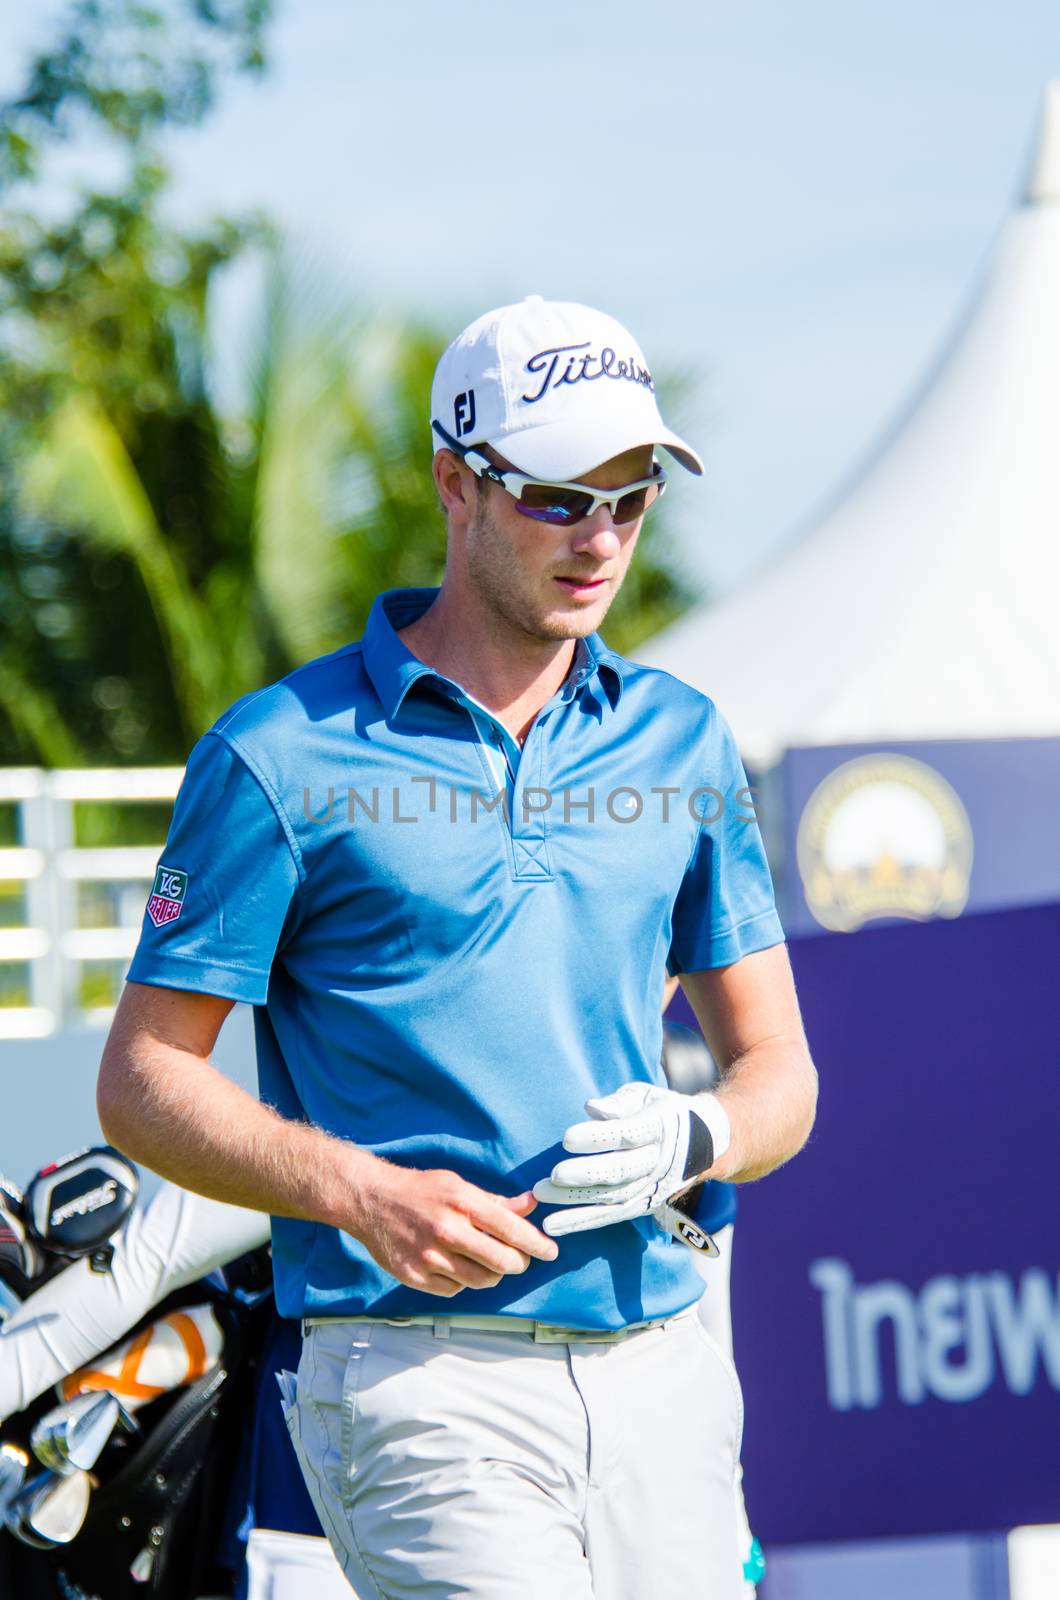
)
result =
(494, 571)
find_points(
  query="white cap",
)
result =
(554, 387)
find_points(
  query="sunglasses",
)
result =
(562, 504)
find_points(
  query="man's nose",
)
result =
(598, 535)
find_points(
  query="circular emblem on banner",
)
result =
(884, 836)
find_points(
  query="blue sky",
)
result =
(791, 203)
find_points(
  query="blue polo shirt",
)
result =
(453, 943)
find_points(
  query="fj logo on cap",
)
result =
(167, 896)
(464, 413)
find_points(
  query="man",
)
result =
(449, 865)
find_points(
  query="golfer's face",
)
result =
(555, 582)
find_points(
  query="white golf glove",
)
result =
(644, 1146)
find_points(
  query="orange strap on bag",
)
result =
(174, 1351)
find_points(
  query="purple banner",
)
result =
(910, 831)
(895, 1290)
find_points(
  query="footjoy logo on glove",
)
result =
(693, 1236)
(167, 896)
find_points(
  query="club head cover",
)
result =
(75, 1205)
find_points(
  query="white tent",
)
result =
(926, 603)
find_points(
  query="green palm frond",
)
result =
(36, 718)
(81, 475)
(302, 445)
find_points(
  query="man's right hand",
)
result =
(434, 1231)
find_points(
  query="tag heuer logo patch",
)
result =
(167, 896)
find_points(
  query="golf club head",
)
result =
(12, 1200)
(21, 1260)
(49, 1511)
(13, 1465)
(75, 1205)
(72, 1436)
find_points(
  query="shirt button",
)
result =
(497, 736)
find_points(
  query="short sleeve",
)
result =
(725, 908)
(224, 885)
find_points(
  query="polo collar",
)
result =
(605, 664)
(393, 668)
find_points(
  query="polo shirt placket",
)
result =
(529, 819)
(522, 771)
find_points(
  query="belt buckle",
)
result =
(548, 1333)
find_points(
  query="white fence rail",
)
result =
(44, 946)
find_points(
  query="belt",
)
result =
(542, 1332)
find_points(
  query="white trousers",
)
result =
(485, 1465)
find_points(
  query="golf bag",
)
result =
(121, 1488)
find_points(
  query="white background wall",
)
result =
(49, 1091)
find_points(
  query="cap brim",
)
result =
(560, 454)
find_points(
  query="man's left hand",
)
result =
(644, 1145)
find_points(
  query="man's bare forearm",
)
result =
(180, 1116)
(770, 1094)
(160, 1100)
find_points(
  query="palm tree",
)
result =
(161, 553)
(284, 526)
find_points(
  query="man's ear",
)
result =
(455, 484)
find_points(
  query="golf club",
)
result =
(13, 1464)
(71, 1437)
(49, 1510)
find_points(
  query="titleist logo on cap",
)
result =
(577, 368)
